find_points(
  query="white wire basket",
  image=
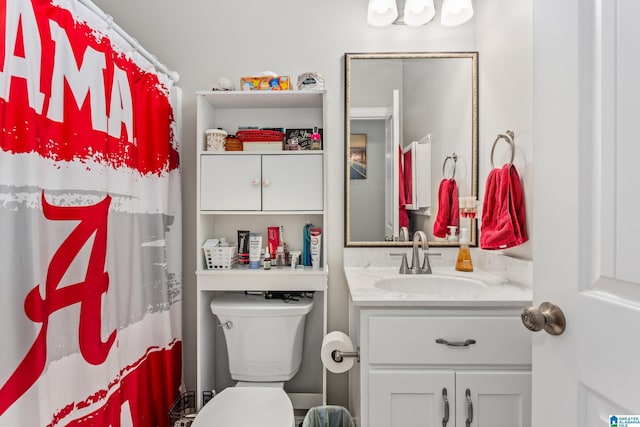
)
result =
(219, 257)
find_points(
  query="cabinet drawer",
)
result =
(412, 340)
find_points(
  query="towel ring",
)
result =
(454, 158)
(509, 138)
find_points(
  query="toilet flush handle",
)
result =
(227, 325)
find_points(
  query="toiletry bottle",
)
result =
(280, 257)
(267, 259)
(464, 254)
(316, 142)
(287, 258)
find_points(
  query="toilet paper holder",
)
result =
(338, 356)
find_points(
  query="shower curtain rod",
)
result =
(133, 42)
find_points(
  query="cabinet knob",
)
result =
(255, 182)
(265, 182)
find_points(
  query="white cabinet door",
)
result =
(410, 398)
(586, 110)
(292, 182)
(230, 183)
(493, 399)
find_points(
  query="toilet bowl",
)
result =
(264, 340)
(247, 407)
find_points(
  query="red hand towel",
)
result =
(448, 213)
(516, 207)
(403, 216)
(503, 215)
(454, 217)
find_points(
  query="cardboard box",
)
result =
(265, 83)
(262, 146)
(300, 139)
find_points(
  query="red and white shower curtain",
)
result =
(90, 224)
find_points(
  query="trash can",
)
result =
(328, 416)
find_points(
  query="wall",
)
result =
(367, 195)
(204, 40)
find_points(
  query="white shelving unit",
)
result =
(253, 191)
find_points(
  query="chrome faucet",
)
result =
(418, 238)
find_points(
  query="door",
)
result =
(292, 182)
(392, 176)
(230, 182)
(586, 256)
(493, 399)
(410, 398)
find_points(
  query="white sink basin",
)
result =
(430, 284)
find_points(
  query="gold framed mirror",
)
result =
(411, 123)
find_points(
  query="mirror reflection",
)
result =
(411, 125)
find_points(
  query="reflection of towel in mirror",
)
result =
(503, 211)
(448, 213)
(403, 217)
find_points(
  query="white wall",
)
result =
(207, 39)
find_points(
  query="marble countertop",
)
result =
(495, 291)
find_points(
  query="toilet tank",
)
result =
(264, 337)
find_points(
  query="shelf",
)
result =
(276, 279)
(231, 197)
(264, 99)
(278, 153)
(261, 213)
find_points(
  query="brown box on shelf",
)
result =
(265, 83)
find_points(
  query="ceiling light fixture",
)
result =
(415, 13)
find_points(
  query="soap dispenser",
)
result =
(464, 254)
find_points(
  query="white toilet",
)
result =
(264, 343)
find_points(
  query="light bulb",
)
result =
(456, 12)
(418, 12)
(382, 12)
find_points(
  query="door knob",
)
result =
(547, 316)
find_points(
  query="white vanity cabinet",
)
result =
(262, 182)
(254, 190)
(409, 375)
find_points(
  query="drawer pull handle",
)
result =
(466, 343)
(445, 420)
(469, 409)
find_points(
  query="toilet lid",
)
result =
(247, 407)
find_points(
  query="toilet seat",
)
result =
(247, 407)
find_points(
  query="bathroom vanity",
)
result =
(447, 350)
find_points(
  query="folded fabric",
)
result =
(503, 215)
(448, 211)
